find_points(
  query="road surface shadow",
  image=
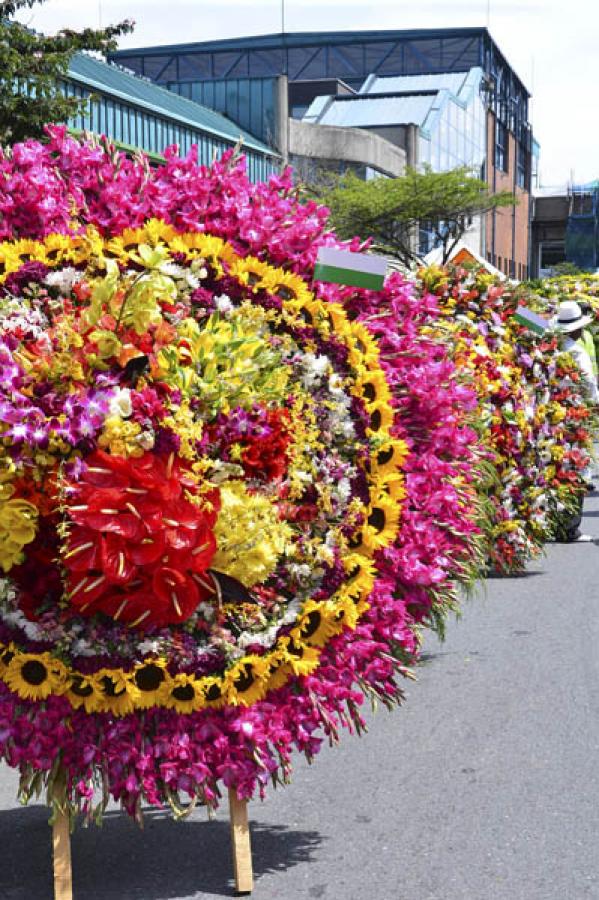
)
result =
(496, 576)
(121, 862)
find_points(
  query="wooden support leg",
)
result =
(240, 839)
(63, 874)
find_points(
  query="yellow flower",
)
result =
(247, 681)
(365, 351)
(290, 286)
(184, 694)
(301, 659)
(34, 676)
(59, 248)
(381, 418)
(213, 690)
(18, 527)
(253, 273)
(389, 456)
(382, 525)
(317, 624)
(120, 437)
(84, 691)
(153, 681)
(249, 534)
(117, 691)
(360, 576)
(372, 386)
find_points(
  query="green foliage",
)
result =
(567, 268)
(32, 67)
(391, 210)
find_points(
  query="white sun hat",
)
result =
(570, 317)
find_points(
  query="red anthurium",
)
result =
(137, 539)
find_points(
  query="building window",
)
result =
(522, 169)
(501, 147)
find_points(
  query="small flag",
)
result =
(353, 269)
(531, 320)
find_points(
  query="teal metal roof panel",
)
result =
(110, 79)
(371, 112)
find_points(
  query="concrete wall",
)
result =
(351, 145)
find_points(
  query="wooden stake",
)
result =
(240, 840)
(63, 873)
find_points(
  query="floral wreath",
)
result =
(199, 461)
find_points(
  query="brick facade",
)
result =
(507, 229)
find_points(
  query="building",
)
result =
(565, 228)
(276, 86)
(136, 114)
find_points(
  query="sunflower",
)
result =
(184, 694)
(117, 690)
(157, 231)
(344, 613)
(6, 654)
(392, 485)
(290, 286)
(247, 681)
(84, 691)
(26, 250)
(116, 248)
(152, 679)
(341, 325)
(301, 659)
(254, 273)
(381, 527)
(59, 247)
(9, 260)
(364, 350)
(280, 670)
(360, 576)
(372, 386)
(34, 676)
(211, 248)
(213, 691)
(316, 625)
(389, 456)
(381, 418)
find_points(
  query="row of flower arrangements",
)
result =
(231, 498)
(533, 416)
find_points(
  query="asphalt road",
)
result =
(483, 787)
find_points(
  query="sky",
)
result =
(552, 45)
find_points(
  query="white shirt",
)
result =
(583, 361)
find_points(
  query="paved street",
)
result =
(484, 787)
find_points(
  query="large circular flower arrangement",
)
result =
(195, 482)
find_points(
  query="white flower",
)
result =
(63, 279)
(315, 368)
(343, 490)
(120, 403)
(173, 270)
(145, 440)
(81, 647)
(223, 304)
(146, 647)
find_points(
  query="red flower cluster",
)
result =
(264, 454)
(139, 550)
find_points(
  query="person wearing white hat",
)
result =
(571, 321)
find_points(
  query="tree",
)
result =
(32, 67)
(392, 210)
